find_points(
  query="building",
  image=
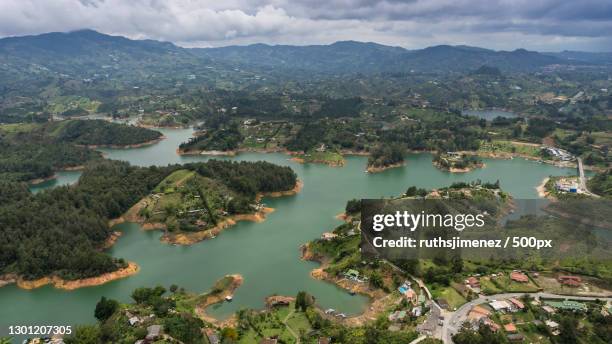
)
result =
(510, 328)
(153, 332)
(328, 236)
(473, 283)
(567, 305)
(518, 276)
(500, 306)
(411, 296)
(571, 281)
(516, 303)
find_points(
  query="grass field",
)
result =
(504, 146)
(173, 180)
(454, 299)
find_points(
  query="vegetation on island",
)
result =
(385, 156)
(199, 197)
(60, 231)
(30, 152)
(455, 162)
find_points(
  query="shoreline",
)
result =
(460, 170)
(60, 283)
(130, 146)
(211, 299)
(301, 160)
(372, 169)
(541, 189)
(190, 238)
(378, 298)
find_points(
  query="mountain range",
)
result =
(84, 52)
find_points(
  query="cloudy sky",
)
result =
(549, 25)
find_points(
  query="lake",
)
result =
(267, 253)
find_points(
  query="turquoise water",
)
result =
(266, 253)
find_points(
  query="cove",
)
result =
(266, 253)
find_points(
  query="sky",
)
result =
(543, 25)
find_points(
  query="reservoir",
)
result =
(267, 253)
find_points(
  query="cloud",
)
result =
(498, 24)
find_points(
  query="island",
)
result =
(199, 201)
(36, 232)
(456, 162)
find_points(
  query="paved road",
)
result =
(582, 179)
(453, 322)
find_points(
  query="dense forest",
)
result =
(30, 152)
(59, 231)
(223, 138)
(27, 161)
(601, 184)
(100, 132)
(386, 155)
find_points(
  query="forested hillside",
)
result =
(59, 231)
(36, 151)
(100, 132)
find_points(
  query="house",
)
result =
(510, 328)
(492, 325)
(571, 281)
(153, 332)
(352, 274)
(518, 276)
(417, 311)
(500, 306)
(548, 309)
(327, 236)
(473, 282)
(553, 326)
(134, 320)
(411, 296)
(516, 303)
(478, 313)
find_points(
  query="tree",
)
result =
(105, 308)
(147, 295)
(353, 206)
(185, 328)
(569, 330)
(173, 288)
(303, 300)
(86, 334)
(376, 279)
(229, 334)
(457, 264)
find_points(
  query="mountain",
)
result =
(584, 57)
(88, 54)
